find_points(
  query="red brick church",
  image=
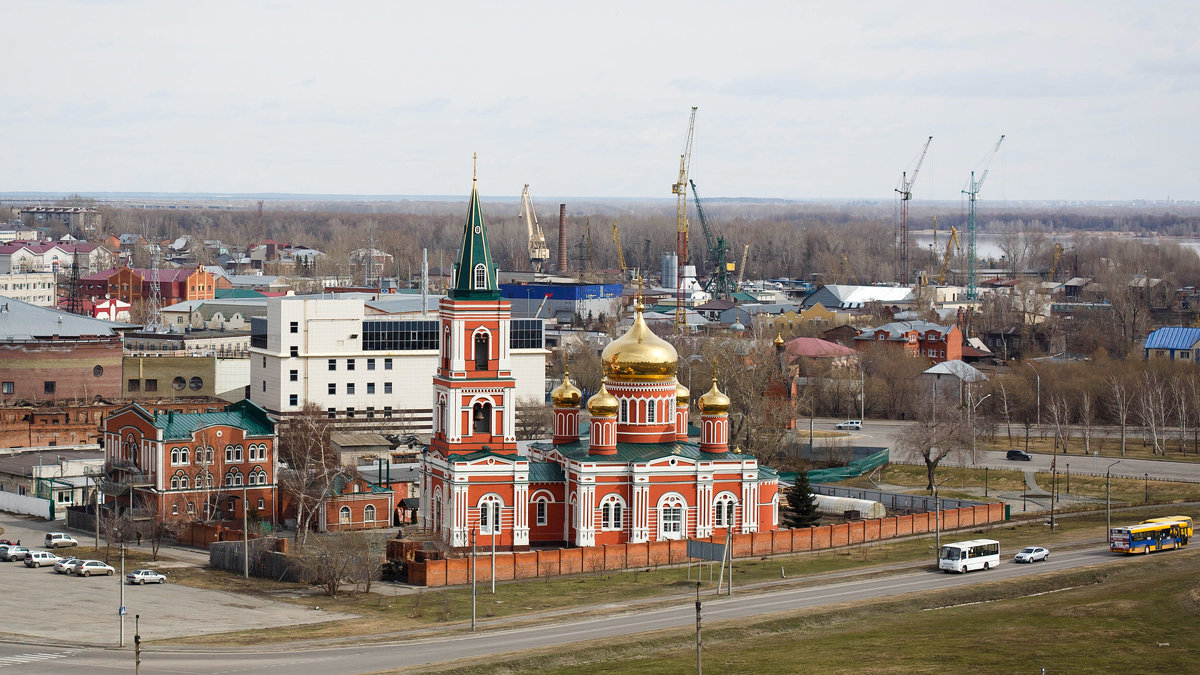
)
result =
(630, 473)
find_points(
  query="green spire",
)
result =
(471, 282)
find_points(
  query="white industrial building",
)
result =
(367, 369)
(35, 288)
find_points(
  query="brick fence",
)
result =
(556, 562)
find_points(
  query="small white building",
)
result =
(953, 380)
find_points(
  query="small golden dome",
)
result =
(566, 395)
(682, 395)
(602, 403)
(714, 401)
(778, 340)
(640, 355)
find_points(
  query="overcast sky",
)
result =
(797, 100)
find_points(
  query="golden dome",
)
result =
(779, 340)
(682, 395)
(714, 401)
(566, 395)
(602, 403)
(640, 355)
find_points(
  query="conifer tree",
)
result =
(801, 509)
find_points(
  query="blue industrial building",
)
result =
(563, 301)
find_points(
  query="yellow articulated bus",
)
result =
(1154, 534)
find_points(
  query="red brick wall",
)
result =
(556, 562)
(70, 364)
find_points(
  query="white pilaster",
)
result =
(521, 511)
(458, 362)
(641, 512)
(459, 510)
(586, 533)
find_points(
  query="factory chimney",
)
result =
(562, 239)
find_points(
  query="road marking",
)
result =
(18, 659)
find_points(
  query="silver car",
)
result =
(90, 567)
(140, 577)
(11, 553)
(66, 565)
(1031, 554)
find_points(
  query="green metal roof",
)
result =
(223, 293)
(546, 472)
(640, 452)
(766, 472)
(484, 454)
(244, 415)
(742, 296)
(474, 251)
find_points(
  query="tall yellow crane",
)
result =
(946, 258)
(850, 269)
(539, 253)
(742, 269)
(616, 237)
(681, 221)
(1058, 253)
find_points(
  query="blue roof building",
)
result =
(1176, 343)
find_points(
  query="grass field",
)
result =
(1140, 615)
(1124, 490)
(1107, 447)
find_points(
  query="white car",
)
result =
(66, 565)
(39, 558)
(89, 567)
(1032, 554)
(140, 577)
(850, 424)
(59, 539)
(13, 553)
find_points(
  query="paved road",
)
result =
(423, 652)
(884, 433)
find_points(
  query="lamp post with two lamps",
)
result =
(974, 432)
(937, 520)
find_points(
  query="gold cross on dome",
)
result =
(474, 166)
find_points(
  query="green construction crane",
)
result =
(720, 277)
(972, 191)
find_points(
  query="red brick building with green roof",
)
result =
(180, 467)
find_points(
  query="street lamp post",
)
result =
(937, 521)
(1108, 499)
(974, 407)
(1039, 394)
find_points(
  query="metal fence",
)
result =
(895, 501)
(264, 560)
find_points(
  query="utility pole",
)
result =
(1108, 501)
(137, 644)
(699, 641)
(493, 561)
(472, 580)
(245, 535)
(121, 582)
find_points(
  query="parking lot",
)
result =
(42, 605)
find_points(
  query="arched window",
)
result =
(481, 280)
(174, 456)
(612, 513)
(489, 514)
(652, 411)
(174, 482)
(183, 455)
(671, 521)
(437, 509)
(624, 410)
(344, 515)
(723, 510)
(183, 482)
(481, 416)
(541, 510)
(369, 513)
(482, 350)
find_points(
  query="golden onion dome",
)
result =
(779, 340)
(566, 395)
(682, 395)
(602, 403)
(714, 401)
(639, 355)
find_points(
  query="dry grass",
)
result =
(1107, 447)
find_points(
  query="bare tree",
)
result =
(328, 561)
(160, 530)
(1087, 420)
(116, 528)
(1152, 410)
(535, 418)
(935, 435)
(304, 446)
(1179, 396)
(1060, 417)
(1119, 395)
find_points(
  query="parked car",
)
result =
(140, 577)
(59, 539)
(38, 558)
(11, 553)
(89, 567)
(1032, 554)
(1018, 456)
(850, 424)
(66, 565)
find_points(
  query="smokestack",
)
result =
(562, 239)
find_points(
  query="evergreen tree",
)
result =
(801, 509)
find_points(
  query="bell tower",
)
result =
(474, 390)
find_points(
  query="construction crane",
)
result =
(1058, 253)
(539, 253)
(720, 274)
(679, 189)
(742, 269)
(850, 269)
(616, 237)
(950, 245)
(972, 191)
(587, 237)
(907, 181)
